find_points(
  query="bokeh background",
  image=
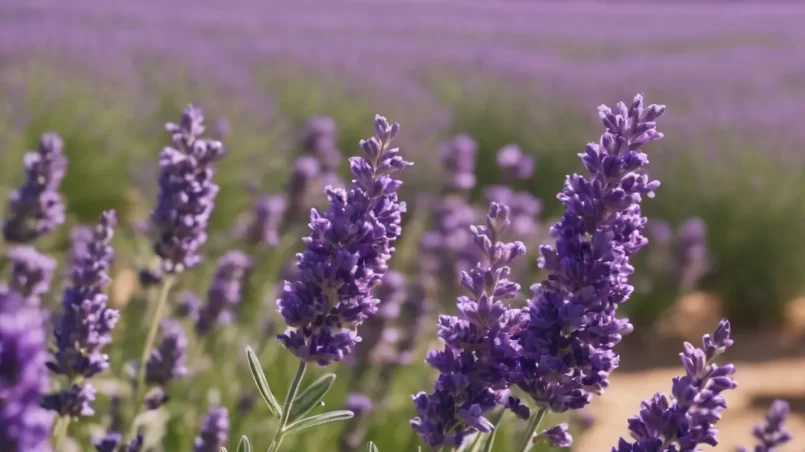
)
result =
(728, 224)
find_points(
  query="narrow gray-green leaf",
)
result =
(223, 449)
(372, 447)
(311, 396)
(244, 445)
(319, 419)
(262, 384)
(486, 442)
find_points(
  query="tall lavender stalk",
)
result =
(31, 273)
(772, 433)
(571, 327)
(36, 208)
(24, 425)
(345, 256)
(84, 328)
(687, 420)
(185, 202)
(481, 353)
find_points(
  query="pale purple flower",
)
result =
(167, 361)
(31, 272)
(772, 432)
(514, 163)
(225, 291)
(186, 193)
(36, 208)
(24, 425)
(457, 158)
(345, 256)
(214, 431)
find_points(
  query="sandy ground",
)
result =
(758, 385)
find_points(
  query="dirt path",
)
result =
(757, 384)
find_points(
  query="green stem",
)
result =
(531, 428)
(162, 301)
(286, 407)
(60, 428)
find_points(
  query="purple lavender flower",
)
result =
(514, 163)
(772, 433)
(86, 322)
(458, 160)
(571, 327)
(167, 361)
(449, 243)
(31, 272)
(24, 425)
(691, 251)
(687, 420)
(214, 431)
(155, 398)
(556, 436)
(267, 214)
(36, 208)
(346, 255)
(74, 401)
(480, 353)
(112, 441)
(80, 239)
(305, 172)
(225, 291)
(186, 193)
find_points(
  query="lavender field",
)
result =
(211, 241)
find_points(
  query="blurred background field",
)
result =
(108, 75)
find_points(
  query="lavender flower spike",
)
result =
(167, 361)
(687, 420)
(571, 327)
(24, 425)
(480, 355)
(111, 443)
(186, 193)
(345, 255)
(36, 208)
(772, 433)
(214, 431)
(31, 272)
(458, 159)
(225, 291)
(86, 322)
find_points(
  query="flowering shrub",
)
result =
(342, 303)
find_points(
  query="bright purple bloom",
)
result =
(571, 327)
(225, 292)
(687, 420)
(36, 208)
(514, 163)
(31, 272)
(345, 255)
(24, 425)
(86, 322)
(214, 431)
(186, 193)
(458, 160)
(772, 433)
(167, 361)
(480, 353)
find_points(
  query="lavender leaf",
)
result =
(262, 384)
(311, 397)
(319, 419)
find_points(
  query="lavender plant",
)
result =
(772, 433)
(83, 330)
(345, 257)
(36, 208)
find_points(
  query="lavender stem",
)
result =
(286, 407)
(531, 429)
(60, 428)
(139, 391)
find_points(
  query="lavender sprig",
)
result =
(225, 291)
(214, 431)
(36, 208)
(772, 433)
(167, 361)
(31, 273)
(480, 353)
(345, 255)
(24, 425)
(571, 327)
(688, 419)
